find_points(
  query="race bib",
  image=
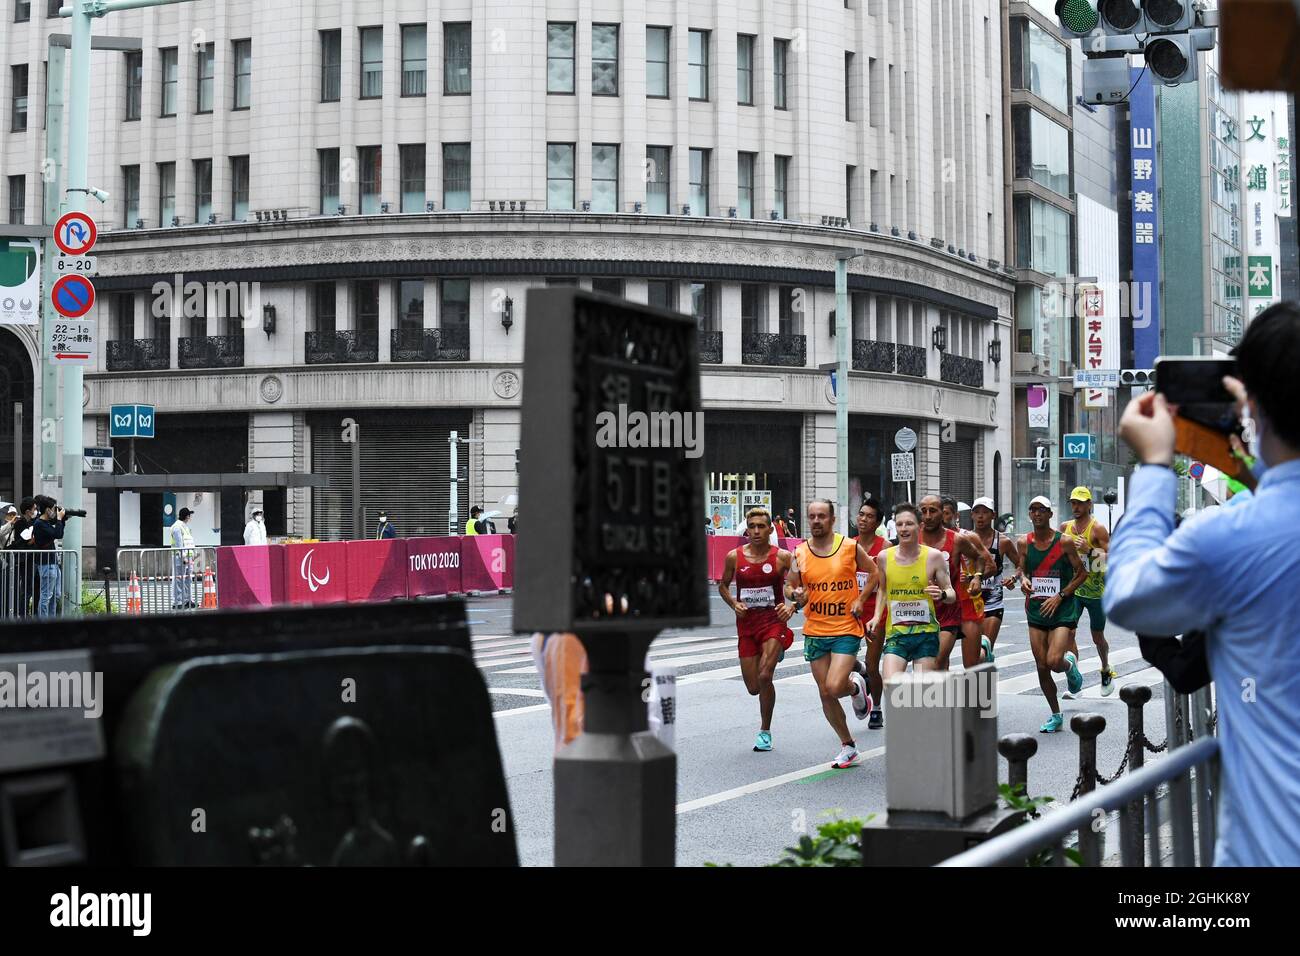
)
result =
(863, 578)
(1045, 588)
(909, 612)
(757, 597)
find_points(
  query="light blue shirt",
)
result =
(1235, 574)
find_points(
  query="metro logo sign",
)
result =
(131, 421)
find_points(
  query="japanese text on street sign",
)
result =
(1096, 378)
(72, 341)
(903, 466)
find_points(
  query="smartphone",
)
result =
(1195, 385)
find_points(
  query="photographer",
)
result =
(1230, 573)
(46, 530)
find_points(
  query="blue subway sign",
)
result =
(131, 421)
(1078, 445)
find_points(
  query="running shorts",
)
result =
(1067, 615)
(752, 638)
(972, 609)
(993, 612)
(912, 647)
(815, 647)
(1096, 614)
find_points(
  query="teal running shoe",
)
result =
(763, 742)
(988, 650)
(1073, 679)
(1053, 725)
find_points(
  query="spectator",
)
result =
(472, 525)
(26, 580)
(385, 529)
(1230, 573)
(513, 523)
(255, 530)
(791, 525)
(182, 561)
(47, 528)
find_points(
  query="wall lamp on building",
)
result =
(507, 314)
(731, 212)
(636, 207)
(686, 209)
(385, 206)
(139, 224)
(586, 205)
(832, 317)
(343, 209)
(939, 337)
(428, 205)
(268, 319)
(995, 351)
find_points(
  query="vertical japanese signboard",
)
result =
(1146, 187)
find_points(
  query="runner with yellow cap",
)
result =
(1093, 541)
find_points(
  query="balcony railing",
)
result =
(769, 348)
(870, 356)
(431, 345)
(911, 360)
(138, 355)
(347, 345)
(958, 370)
(210, 351)
(710, 347)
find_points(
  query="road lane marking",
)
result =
(758, 786)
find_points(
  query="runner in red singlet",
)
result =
(759, 570)
(869, 518)
(956, 545)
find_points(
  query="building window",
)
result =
(372, 63)
(612, 287)
(169, 81)
(745, 70)
(22, 11)
(329, 181)
(166, 194)
(134, 84)
(131, 193)
(455, 176)
(410, 304)
(699, 64)
(658, 177)
(202, 190)
(206, 62)
(366, 306)
(1039, 63)
(745, 185)
(414, 57)
(559, 175)
(604, 177)
(849, 172)
(753, 309)
(662, 294)
(702, 296)
(656, 60)
(331, 65)
(789, 314)
(456, 58)
(411, 159)
(604, 59)
(243, 50)
(123, 317)
(1042, 236)
(780, 186)
(848, 86)
(17, 200)
(19, 102)
(370, 166)
(238, 188)
(780, 63)
(1042, 149)
(453, 309)
(700, 182)
(326, 307)
(559, 57)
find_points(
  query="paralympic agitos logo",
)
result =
(308, 573)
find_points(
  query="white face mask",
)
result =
(257, 518)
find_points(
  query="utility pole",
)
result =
(843, 354)
(77, 200)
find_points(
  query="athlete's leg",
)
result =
(923, 664)
(874, 648)
(1059, 643)
(766, 689)
(1097, 621)
(831, 672)
(971, 651)
(947, 640)
(749, 674)
(1038, 643)
(991, 625)
(892, 664)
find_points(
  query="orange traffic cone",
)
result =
(133, 604)
(209, 588)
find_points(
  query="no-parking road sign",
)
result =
(72, 296)
(75, 233)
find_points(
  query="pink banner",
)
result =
(250, 575)
(316, 573)
(432, 566)
(487, 562)
(376, 569)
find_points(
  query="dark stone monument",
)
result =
(611, 497)
(308, 736)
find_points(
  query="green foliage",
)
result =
(838, 843)
(1015, 799)
(92, 600)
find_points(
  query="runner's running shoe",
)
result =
(862, 699)
(1108, 676)
(877, 721)
(988, 649)
(763, 742)
(1053, 725)
(847, 758)
(1073, 679)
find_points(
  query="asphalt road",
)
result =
(738, 806)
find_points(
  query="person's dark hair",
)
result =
(949, 502)
(909, 508)
(1267, 358)
(475, 511)
(825, 501)
(875, 505)
(27, 504)
(43, 502)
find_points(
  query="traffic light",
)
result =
(1040, 458)
(1169, 16)
(1137, 377)
(1121, 16)
(1171, 59)
(1078, 18)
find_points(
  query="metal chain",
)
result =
(1128, 749)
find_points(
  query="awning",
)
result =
(204, 482)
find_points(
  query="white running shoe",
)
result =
(861, 699)
(847, 758)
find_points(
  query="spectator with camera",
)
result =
(47, 530)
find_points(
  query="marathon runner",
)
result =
(1001, 546)
(759, 569)
(1051, 574)
(870, 515)
(823, 580)
(1093, 541)
(970, 593)
(956, 545)
(914, 577)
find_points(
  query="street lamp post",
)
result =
(843, 353)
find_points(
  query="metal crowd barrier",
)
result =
(20, 583)
(170, 580)
(1189, 773)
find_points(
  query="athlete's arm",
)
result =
(784, 611)
(882, 598)
(941, 590)
(794, 590)
(975, 548)
(1101, 536)
(724, 584)
(1011, 550)
(1080, 572)
(867, 563)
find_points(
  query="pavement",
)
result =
(741, 807)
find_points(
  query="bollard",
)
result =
(1133, 828)
(108, 594)
(1017, 749)
(1088, 727)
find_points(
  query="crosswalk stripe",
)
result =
(517, 691)
(1090, 665)
(759, 785)
(1146, 676)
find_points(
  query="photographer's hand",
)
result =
(1147, 425)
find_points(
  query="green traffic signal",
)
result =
(1077, 16)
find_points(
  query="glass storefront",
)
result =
(871, 442)
(765, 445)
(1042, 236)
(1042, 149)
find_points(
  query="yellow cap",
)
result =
(1081, 494)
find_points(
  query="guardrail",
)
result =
(28, 590)
(166, 580)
